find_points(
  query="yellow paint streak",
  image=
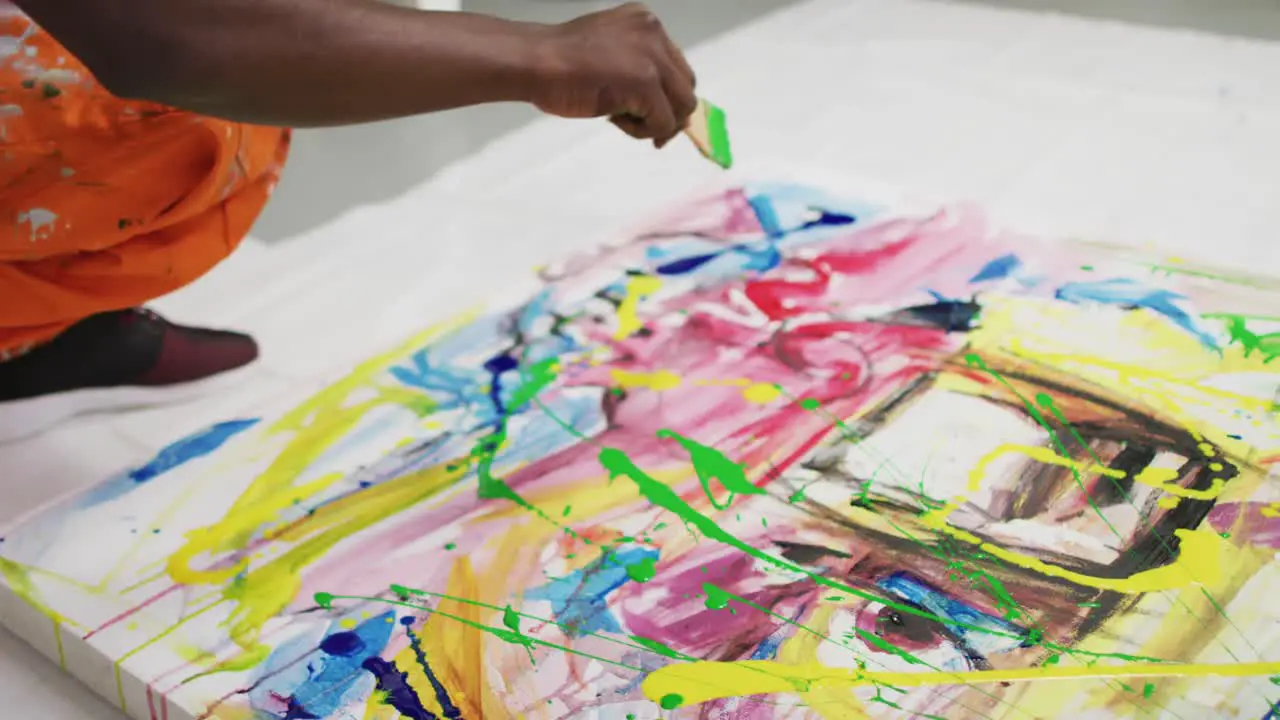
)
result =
(18, 578)
(701, 682)
(1147, 363)
(1192, 628)
(1039, 454)
(241, 661)
(461, 667)
(378, 709)
(638, 288)
(62, 651)
(762, 393)
(829, 703)
(264, 592)
(1159, 478)
(314, 426)
(657, 381)
(1196, 562)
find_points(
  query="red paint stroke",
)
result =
(131, 612)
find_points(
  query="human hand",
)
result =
(620, 64)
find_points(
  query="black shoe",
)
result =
(112, 361)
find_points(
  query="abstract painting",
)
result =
(778, 454)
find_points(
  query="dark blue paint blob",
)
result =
(499, 364)
(951, 316)
(400, 694)
(829, 219)
(343, 644)
(683, 266)
(295, 711)
(496, 366)
(451, 711)
(190, 448)
(998, 269)
(408, 621)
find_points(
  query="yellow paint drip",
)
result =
(378, 709)
(1199, 550)
(701, 682)
(638, 288)
(1197, 561)
(762, 393)
(1163, 479)
(657, 381)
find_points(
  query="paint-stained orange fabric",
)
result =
(107, 203)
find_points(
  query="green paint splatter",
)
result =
(671, 702)
(617, 464)
(567, 509)
(451, 546)
(324, 600)
(1148, 690)
(717, 599)
(643, 570)
(711, 464)
(975, 360)
(660, 649)
(1267, 345)
(811, 403)
(511, 619)
(885, 646)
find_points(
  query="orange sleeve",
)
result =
(107, 203)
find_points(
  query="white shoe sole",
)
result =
(25, 419)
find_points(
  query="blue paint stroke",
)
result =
(328, 677)
(578, 600)
(766, 215)
(999, 269)
(974, 628)
(189, 448)
(768, 648)
(1128, 293)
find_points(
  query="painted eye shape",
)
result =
(904, 631)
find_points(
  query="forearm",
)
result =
(295, 62)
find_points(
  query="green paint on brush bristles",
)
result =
(718, 135)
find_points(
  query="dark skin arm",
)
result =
(301, 63)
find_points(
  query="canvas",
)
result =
(780, 454)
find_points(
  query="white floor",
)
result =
(1067, 125)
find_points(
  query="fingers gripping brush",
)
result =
(710, 134)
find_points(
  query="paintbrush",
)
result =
(710, 133)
